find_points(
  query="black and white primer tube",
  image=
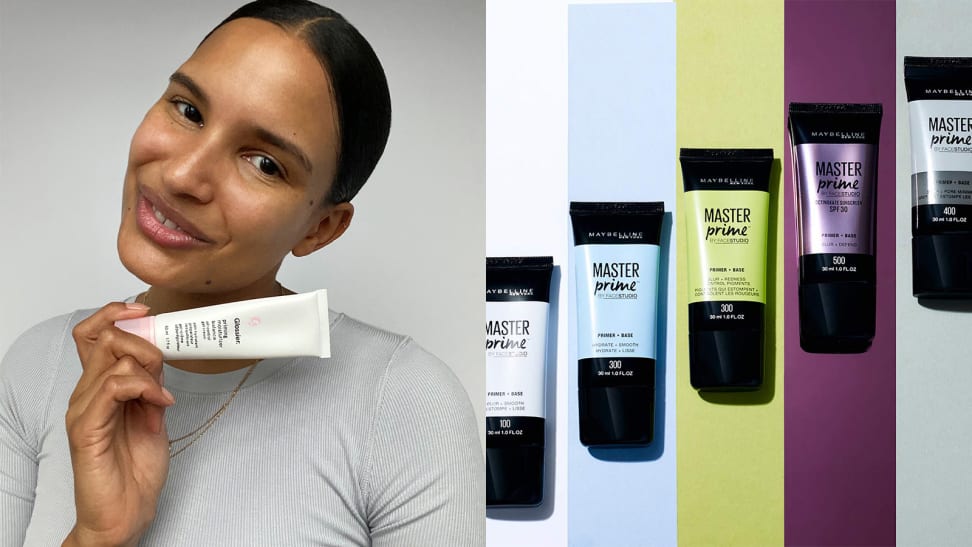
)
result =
(517, 310)
(940, 106)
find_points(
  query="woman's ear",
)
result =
(330, 227)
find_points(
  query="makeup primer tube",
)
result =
(727, 221)
(940, 109)
(279, 326)
(517, 309)
(835, 154)
(616, 254)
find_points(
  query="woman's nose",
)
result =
(191, 171)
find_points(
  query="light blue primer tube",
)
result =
(616, 257)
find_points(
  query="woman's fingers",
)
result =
(105, 317)
(101, 345)
(118, 390)
(94, 411)
(119, 369)
(87, 332)
(112, 345)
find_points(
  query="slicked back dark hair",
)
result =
(357, 78)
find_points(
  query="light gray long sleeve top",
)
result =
(377, 445)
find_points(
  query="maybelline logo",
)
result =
(511, 292)
(727, 180)
(617, 235)
(951, 92)
(843, 135)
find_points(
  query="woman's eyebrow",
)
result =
(190, 84)
(285, 145)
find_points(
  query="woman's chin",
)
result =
(148, 265)
(148, 274)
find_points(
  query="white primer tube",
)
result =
(517, 309)
(279, 326)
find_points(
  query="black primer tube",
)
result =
(835, 163)
(616, 259)
(940, 110)
(517, 310)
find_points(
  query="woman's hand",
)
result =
(116, 430)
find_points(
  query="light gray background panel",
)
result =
(934, 351)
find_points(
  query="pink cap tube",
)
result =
(143, 327)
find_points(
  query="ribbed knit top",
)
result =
(377, 445)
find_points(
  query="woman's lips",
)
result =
(163, 230)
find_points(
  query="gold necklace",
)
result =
(195, 434)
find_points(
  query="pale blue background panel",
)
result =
(621, 146)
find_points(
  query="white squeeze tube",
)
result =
(279, 326)
(517, 309)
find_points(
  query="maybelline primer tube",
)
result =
(279, 326)
(517, 311)
(940, 106)
(727, 222)
(835, 154)
(616, 254)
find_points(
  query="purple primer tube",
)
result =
(835, 149)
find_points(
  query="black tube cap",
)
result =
(514, 475)
(942, 265)
(726, 360)
(837, 317)
(616, 415)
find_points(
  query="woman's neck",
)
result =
(163, 300)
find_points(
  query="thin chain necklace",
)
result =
(195, 434)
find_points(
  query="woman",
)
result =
(254, 150)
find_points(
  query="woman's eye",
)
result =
(189, 112)
(266, 165)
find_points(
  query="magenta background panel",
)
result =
(840, 409)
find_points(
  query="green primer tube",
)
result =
(727, 221)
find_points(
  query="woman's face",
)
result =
(227, 171)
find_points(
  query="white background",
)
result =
(76, 79)
(526, 209)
